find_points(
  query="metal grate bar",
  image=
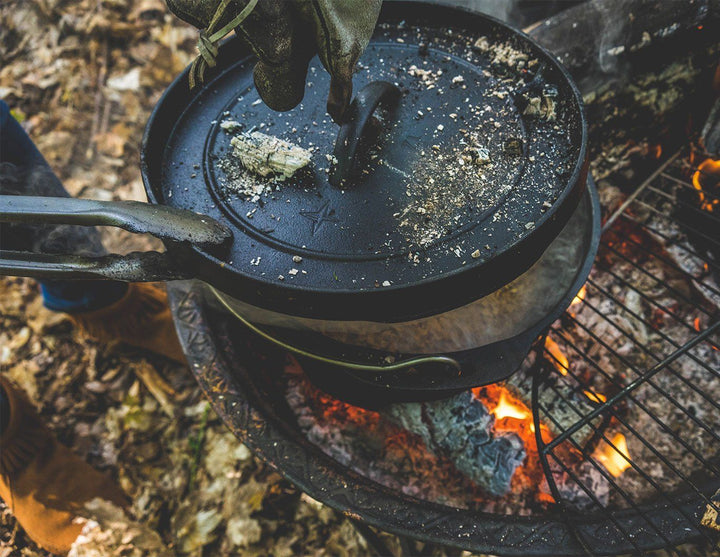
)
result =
(669, 240)
(693, 208)
(642, 439)
(661, 391)
(673, 265)
(657, 388)
(614, 484)
(635, 384)
(659, 257)
(652, 302)
(649, 353)
(679, 295)
(628, 536)
(620, 210)
(659, 333)
(604, 473)
(639, 470)
(666, 217)
(652, 415)
(688, 185)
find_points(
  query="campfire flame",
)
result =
(579, 297)
(558, 358)
(615, 459)
(595, 397)
(708, 170)
(507, 408)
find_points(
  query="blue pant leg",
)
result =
(24, 171)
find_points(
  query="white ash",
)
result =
(240, 181)
(505, 53)
(230, 126)
(591, 478)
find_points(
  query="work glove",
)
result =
(285, 35)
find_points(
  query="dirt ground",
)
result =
(82, 77)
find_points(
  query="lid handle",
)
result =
(355, 127)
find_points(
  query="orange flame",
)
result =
(707, 168)
(595, 397)
(507, 408)
(580, 296)
(558, 358)
(696, 324)
(615, 459)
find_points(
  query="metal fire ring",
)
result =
(221, 357)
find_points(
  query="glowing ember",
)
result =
(595, 397)
(615, 459)
(696, 324)
(707, 172)
(579, 298)
(508, 409)
(558, 358)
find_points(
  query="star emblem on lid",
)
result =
(321, 216)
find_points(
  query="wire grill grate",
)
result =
(645, 336)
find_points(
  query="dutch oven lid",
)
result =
(467, 170)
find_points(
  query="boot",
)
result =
(44, 484)
(141, 318)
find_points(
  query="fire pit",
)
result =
(615, 408)
(615, 412)
(605, 442)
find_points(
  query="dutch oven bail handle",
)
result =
(176, 227)
(353, 130)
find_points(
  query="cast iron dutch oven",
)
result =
(417, 234)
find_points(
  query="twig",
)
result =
(157, 386)
(196, 444)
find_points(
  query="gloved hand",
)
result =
(285, 34)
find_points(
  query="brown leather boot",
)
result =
(141, 318)
(44, 484)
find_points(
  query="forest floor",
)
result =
(82, 77)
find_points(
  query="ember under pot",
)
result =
(448, 218)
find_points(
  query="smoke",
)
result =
(500, 9)
(615, 30)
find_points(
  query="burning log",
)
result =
(597, 37)
(461, 428)
(711, 131)
(642, 65)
